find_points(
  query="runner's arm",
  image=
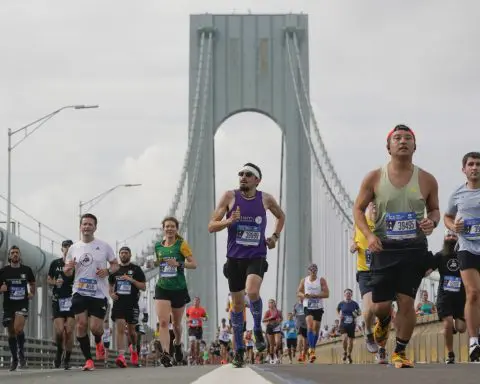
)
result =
(432, 204)
(301, 289)
(272, 205)
(186, 251)
(450, 213)
(217, 223)
(325, 294)
(51, 273)
(364, 197)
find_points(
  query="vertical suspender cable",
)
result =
(280, 270)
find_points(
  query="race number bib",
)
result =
(313, 304)
(86, 287)
(368, 258)
(452, 283)
(167, 271)
(65, 304)
(348, 320)
(401, 225)
(248, 235)
(300, 311)
(124, 287)
(195, 323)
(277, 328)
(471, 229)
(17, 292)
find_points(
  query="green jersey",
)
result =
(172, 278)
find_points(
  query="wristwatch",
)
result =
(435, 223)
(276, 235)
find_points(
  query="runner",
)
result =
(313, 289)
(196, 315)
(401, 192)
(173, 255)
(348, 310)
(224, 339)
(463, 217)
(451, 292)
(273, 318)
(246, 249)
(63, 317)
(364, 258)
(290, 332)
(125, 287)
(301, 325)
(17, 283)
(88, 258)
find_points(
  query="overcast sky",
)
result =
(374, 64)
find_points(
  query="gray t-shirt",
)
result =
(465, 203)
(298, 312)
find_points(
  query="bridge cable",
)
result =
(278, 287)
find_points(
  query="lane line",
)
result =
(229, 374)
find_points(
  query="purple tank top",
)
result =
(246, 238)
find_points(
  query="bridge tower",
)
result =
(249, 72)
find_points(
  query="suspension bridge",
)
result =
(246, 63)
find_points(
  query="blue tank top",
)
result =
(246, 238)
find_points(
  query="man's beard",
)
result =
(448, 247)
(244, 188)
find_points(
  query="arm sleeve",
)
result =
(185, 249)
(51, 270)
(110, 254)
(139, 275)
(30, 276)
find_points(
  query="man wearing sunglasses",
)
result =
(246, 219)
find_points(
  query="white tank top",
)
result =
(224, 334)
(312, 288)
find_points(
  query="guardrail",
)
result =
(41, 353)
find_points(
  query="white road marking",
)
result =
(229, 374)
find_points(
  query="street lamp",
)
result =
(95, 200)
(11, 147)
(118, 242)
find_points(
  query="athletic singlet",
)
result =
(312, 288)
(224, 335)
(364, 257)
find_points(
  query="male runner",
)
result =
(463, 217)
(15, 281)
(89, 257)
(63, 317)
(401, 192)
(450, 293)
(125, 287)
(348, 310)
(196, 315)
(364, 259)
(246, 264)
(301, 325)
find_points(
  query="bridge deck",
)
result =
(283, 374)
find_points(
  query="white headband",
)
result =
(248, 168)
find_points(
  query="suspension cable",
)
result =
(309, 139)
(282, 153)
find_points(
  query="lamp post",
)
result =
(95, 200)
(11, 147)
(118, 242)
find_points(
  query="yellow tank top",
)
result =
(362, 263)
(398, 209)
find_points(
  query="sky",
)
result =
(373, 65)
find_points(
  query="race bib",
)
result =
(348, 319)
(313, 304)
(17, 292)
(195, 323)
(300, 311)
(124, 287)
(452, 283)
(86, 287)
(401, 225)
(65, 304)
(277, 328)
(167, 271)
(471, 229)
(368, 258)
(248, 235)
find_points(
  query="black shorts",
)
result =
(273, 329)
(363, 278)
(224, 343)
(398, 268)
(13, 308)
(177, 298)
(130, 315)
(317, 314)
(106, 344)
(237, 270)
(451, 304)
(468, 260)
(195, 332)
(93, 306)
(59, 306)
(291, 343)
(348, 329)
(302, 331)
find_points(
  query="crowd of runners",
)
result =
(397, 208)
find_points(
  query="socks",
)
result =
(401, 345)
(256, 308)
(98, 338)
(67, 356)
(237, 325)
(311, 339)
(85, 347)
(12, 343)
(473, 340)
(315, 339)
(21, 345)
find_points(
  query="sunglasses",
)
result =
(247, 174)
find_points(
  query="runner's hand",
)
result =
(427, 226)
(271, 242)
(374, 243)
(458, 224)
